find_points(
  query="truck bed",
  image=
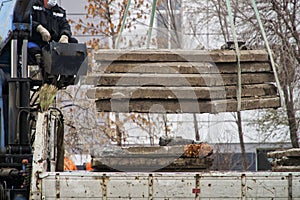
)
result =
(162, 186)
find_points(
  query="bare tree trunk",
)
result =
(150, 130)
(60, 154)
(119, 132)
(197, 136)
(292, 126)
(291, 119)
(165, 119)
(242, 144)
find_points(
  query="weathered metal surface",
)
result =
(213, 185)
(268, 187)
(71, 186)
(39, 160)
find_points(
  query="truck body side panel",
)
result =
(161, 186)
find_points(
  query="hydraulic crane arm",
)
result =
(15, 16)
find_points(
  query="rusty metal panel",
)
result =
(173, 186)
(267, 187)
(127, 186)
(72, 185)
(296, 186)
(64, 198)
(221, 187)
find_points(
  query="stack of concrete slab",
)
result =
(179, 81)
(153, 158)
(285, 160)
